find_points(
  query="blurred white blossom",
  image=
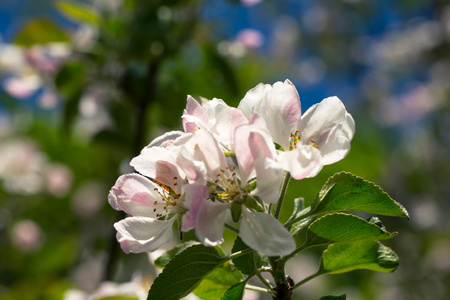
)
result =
(27, 236)
(88, 199)
(26, 70)
(251, 38)
(137, 289)
(58, 179)
(21, 166)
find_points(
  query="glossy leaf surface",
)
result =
(347, 192)
(345, 257)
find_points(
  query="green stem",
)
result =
(284, 284)
(237, 254)
(264, 281)
(296, 251)
(257, 288)
(277, 269)
(287, 178)
(231, 227)
(307, 279)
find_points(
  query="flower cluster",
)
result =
(228, 166)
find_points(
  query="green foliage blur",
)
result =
(80, 98)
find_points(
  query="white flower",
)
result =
(215, 116)
(254, 151)
(321, 136)
(153, 205)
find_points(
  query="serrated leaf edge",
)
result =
(322, 192)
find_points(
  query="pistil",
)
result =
(296, 137)
(228, 182)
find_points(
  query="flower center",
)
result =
(169, 199)
(296, 137)
(228, 186)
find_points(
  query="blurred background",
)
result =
(84, 85)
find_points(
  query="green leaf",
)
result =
(78, 12)
(377, 221)
(299, 204)
(347, 192)
(218, 282)
(40, 31)
(249, 262)
(345, 257)
(236, 211)
(164, 259)
(295, 228)
(184, 272)
(236, 292)
(341, 297)
(299, 211)
(340, 227)
(254, 203)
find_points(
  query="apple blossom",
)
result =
(146, 202)
(153, 208)
(215, 116)
(155, 204)
(227, 160)
(319, 137)
(230, 187)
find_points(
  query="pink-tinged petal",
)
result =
(257, 121)
(320, 119)
(205, 148)
(136, 195)
(338, 142)
(279, 105)
(194, 109)
(194, 195)
(195, 171)
(302, 162)
(145, 163)
(270, 175)
(330, 127)
(223, 120)
(251, 143)
(113, 201)
(210, 221)
(282, 112)
(192, 123)
(323, 115)
(265, 234)
(158, 163)
(166, 139)
(168, 174)
(140, 234)
(261, 143)
(178, 143)
(253, 99)
(244, 155)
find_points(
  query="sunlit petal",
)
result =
(301, 162)
(194, 196)
(135, 195)
(210, 222)
(265, 234)
(139, 234)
